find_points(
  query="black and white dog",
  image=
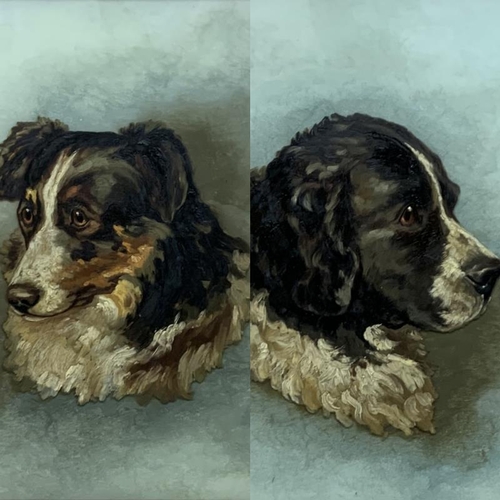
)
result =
(120, 279)
(352, 227)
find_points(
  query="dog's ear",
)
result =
(17, 151)
(320, 215)
(163, 160)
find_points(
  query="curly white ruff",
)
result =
(77, 355)
(391, 387)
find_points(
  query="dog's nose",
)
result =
(22, 297)
(484, 277)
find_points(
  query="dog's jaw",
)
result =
(85, 351)
(82, 350)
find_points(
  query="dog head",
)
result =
(368, 211)
(99, 209)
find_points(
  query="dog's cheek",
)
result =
(381, 260)
(121, 303)
(100, 274)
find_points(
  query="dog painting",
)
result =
(355, 249)
(120, 278)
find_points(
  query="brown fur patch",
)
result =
(126, 296)
(84, 351)
(102, 272)
(31, 195)
(210, 329)
(71, 192)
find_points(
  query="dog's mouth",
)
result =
(78, 302)
(38, 317)
(28, 316)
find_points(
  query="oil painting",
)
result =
(124, 250)
(120, 279)
(249, 249)
(355, 249)
(375, 250)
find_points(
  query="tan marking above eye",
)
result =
(71, 192)
(31, 195)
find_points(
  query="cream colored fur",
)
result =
(86, 352)
(391, 387)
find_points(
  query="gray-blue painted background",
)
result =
(432, 66)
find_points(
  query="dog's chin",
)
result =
(450, 327)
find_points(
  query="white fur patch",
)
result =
(391, 386)
(43, 261)
(460, 304)
(85, 351)
(392, 390)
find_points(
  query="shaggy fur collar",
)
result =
(77, 355)
(389, 387)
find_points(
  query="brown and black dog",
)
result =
(120, 279)
(355, 243)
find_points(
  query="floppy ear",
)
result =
(162, 158)
(321, 218)
(17, 151)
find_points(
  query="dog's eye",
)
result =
(78, 218)
(27, 216)
(409, 216)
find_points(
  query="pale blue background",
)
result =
(435, 68)
(98, 66)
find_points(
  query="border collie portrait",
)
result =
(355, 249)
(120, 279)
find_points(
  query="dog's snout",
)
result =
(22, 297)
(484, 276)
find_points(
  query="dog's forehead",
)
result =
(370, 190)
(393, 175)
(101, 171)
(73, 172)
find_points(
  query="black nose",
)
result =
(22, 297)
(485, 276)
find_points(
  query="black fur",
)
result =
(86, 251)
(157, 185)
(307, 232)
